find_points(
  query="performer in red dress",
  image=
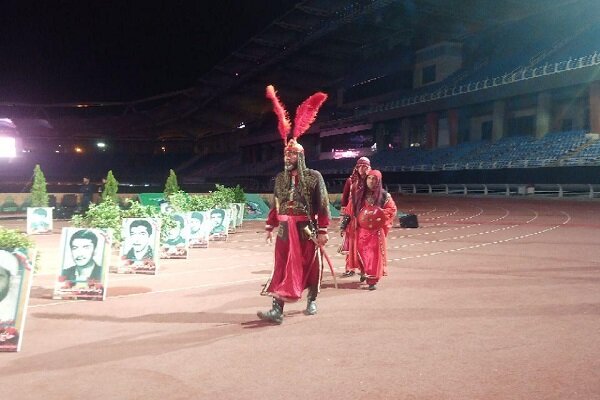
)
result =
(371, 224)
(356, 181)
(301, 212)
(354, 187)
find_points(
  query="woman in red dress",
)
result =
(369, 227)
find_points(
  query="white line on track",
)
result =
(470, 234)
(506, 213)
(568, 218)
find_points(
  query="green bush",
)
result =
(106, 215)
(13, 239)
(171, 186)
(183, 202)
(180, 201)
(200, 202)
(39, 194)
(110, 189)
(222, 197)
(238, 194)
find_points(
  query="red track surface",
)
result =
(492, 298)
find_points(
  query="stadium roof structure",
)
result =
(317, 45)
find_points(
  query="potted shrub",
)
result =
(39, 215)
(111, 187)
(171, 185)
(239, 200)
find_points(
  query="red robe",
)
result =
(368, 247)
(350, 192)
(298, 262)
(346, 192)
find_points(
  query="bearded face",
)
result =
(290, 160)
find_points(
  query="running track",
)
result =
(491, 298)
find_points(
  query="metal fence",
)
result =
(543, 190)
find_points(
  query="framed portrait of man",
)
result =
(39, 220)
(166, 208)
(16, 272)
(239, 207)
(139, 248)
(199, 223)
(176, 242)
(85, 255)
(232, 218)
(219, 223)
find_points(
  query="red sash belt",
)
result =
(294, 218)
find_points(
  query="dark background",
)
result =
(104, 50)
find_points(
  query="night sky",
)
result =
(104, 50)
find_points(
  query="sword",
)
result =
(312, 237)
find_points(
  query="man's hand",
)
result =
(269, 237)
(322, 239)
(342, 231)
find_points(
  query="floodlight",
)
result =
(8, 147)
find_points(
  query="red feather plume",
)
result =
(284, 124)
(307, 113)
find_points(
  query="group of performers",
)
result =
(300, 211)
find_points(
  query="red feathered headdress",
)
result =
(305, 116)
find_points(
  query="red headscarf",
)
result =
(358, 183)
(363, 161)
(378, 190)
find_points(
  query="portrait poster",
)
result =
(219, 223)
(199, 229)
(166, 208)
(39, 220)
(239, 213)
(175, 243)
(232, 218)
(16, 275)
(85, 259)
(139, 245)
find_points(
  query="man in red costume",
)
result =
(355, 186)
(371, 223)
(301, 213)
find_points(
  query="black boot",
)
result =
(275, 314)
(311, 302)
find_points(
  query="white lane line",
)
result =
(468, 235)
(440, 216)
(568, 218)
(506, 214)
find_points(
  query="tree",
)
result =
(111, 188)
(171, 185)
(39, 194)
(238, 194)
